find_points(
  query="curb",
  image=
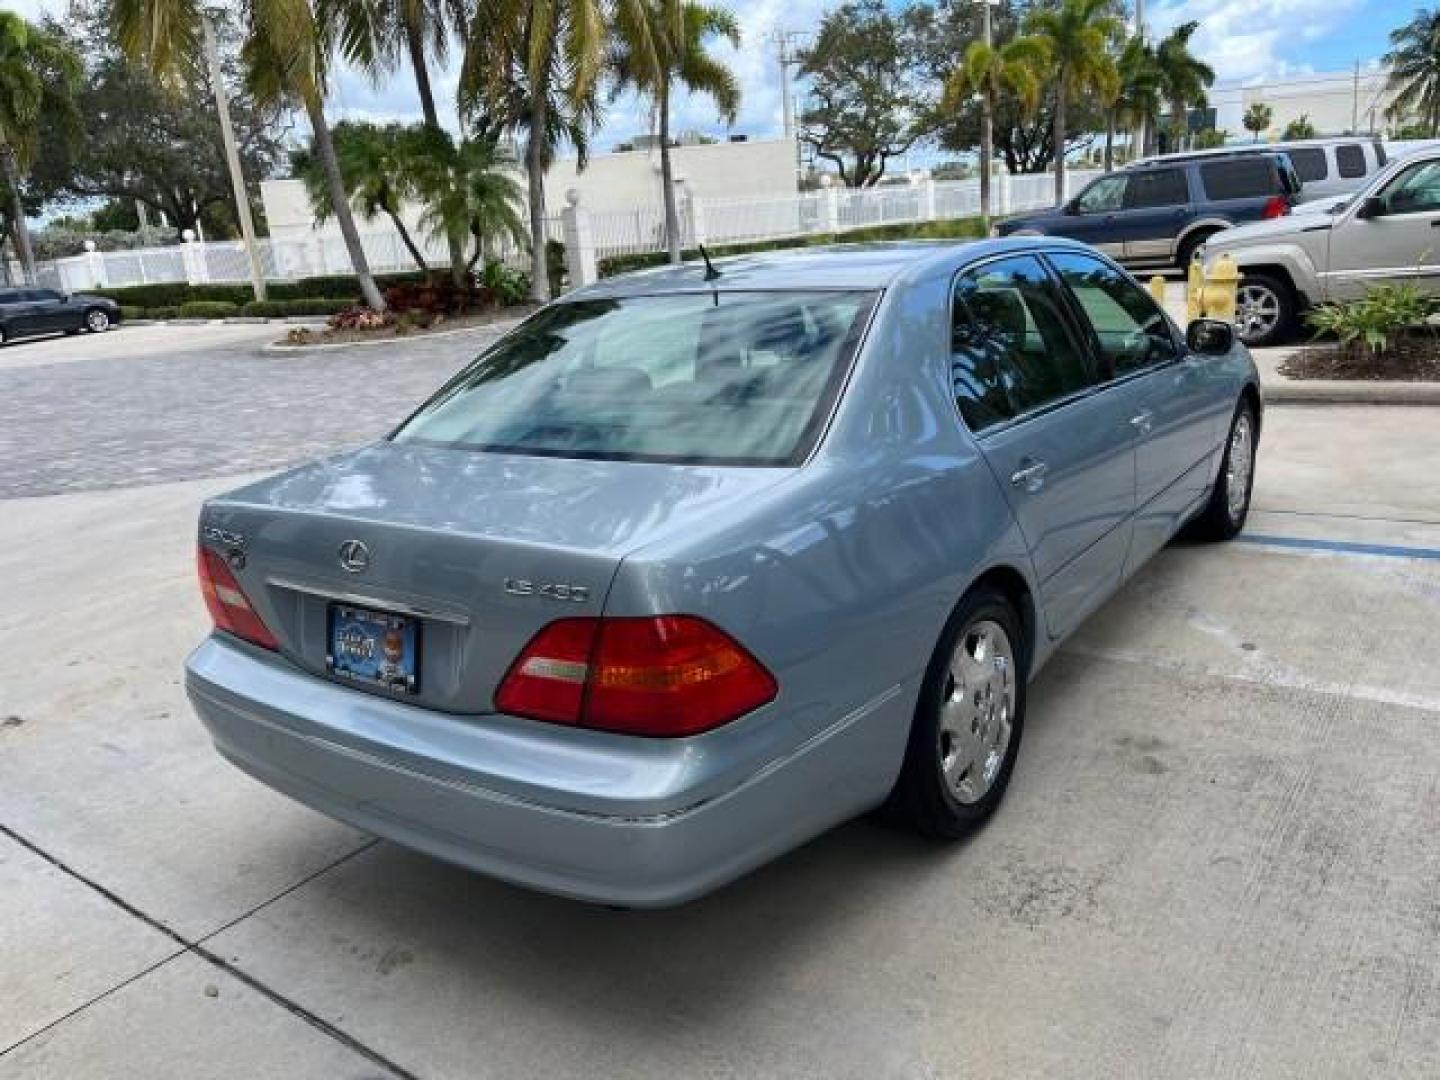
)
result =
(501, 327)
(234, 320)
(1358, 392)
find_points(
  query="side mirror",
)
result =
(1210, 337)
(1372, 207)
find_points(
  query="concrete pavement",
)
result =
(1217, 857)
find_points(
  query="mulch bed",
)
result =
(1412, 359)
(405, 327)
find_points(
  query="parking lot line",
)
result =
(1390, 551)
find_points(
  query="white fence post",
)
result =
(926, 185)
(1000, 192)
(95, 265)
(579, 242)
(193, 256)
(695, 214)
(829, 219)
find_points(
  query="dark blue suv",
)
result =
(1156, 214)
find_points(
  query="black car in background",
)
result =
(32, 310)
(1158, 213)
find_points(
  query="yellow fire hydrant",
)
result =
(1220, 287)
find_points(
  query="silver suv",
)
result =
(1389, 232)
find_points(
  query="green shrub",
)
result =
(128, 312)
(208, 309)
(279, 309)
(175, 293)
(956, 229)
(506, 285)
(1369, 326)
(162, 312)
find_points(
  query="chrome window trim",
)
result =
(348, 596)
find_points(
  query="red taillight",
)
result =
(667, 675)
(228, 605)
(1275, 206)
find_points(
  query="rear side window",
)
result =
(1240, 178)
(735, 378)
(1309, 163)
(1130, 330)
(1350, 160)
(1011, 346)
(1158, 187)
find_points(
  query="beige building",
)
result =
(620, 181)
(1337, 103)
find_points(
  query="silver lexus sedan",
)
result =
(695, 564)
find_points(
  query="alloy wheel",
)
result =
(97, 321)
(1257, 312)
(1240, 462)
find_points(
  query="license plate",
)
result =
(375, 648)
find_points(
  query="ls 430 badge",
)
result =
(549, 590)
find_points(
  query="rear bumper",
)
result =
(604, 818)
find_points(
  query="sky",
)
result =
(1244, 40)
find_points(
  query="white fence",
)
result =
(637, 230)
(829, 210)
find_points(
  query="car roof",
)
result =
(1184, 157)
(1243, 149)
(835, 266)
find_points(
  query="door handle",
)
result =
(1031, 477)
(1143, 421)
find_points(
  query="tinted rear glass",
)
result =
(1161, 187)
(1240, 178)
(744, 378)
(1350, 160)
(1309, 163)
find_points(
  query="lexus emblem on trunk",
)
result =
(354, 556)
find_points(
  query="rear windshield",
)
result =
(1309, 162)
(741, 378)
(1240, 178)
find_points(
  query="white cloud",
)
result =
(1244, 40)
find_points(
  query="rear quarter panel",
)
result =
(841, 580)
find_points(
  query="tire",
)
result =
(948, 787)
(1186, 253)
(4, 334)
(1265, 310)
(1224, 514)
(97, 320)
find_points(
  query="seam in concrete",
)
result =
(196, 948)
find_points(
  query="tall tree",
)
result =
(149, 144)
(992, 72)
(1137, 99)
(1183, 77)
(1414, 63)
(376, 35)
(868, 104)
(286, 56)
(531, 67)
(1299, 128)
(1257, 118)
(469, 190)
(1077, 34)
(39, 77)
(678, 39)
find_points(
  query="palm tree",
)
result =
(39, 78)
(378, 166)
(374, 35)
(469, 190)
(1257, 118)
(679, 31)
(1137, 100)
(1414, 63)
(286, 54)
(1077, 35)
(531, 67)
(1183, 78)
(989, 72)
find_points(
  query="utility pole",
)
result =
(232, 159)
(987, 121)
(1355, 103)
(1139, 135)
(787, 48)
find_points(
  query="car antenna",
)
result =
(710, 272)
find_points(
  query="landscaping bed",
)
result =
(1412, 358)
(367, 326)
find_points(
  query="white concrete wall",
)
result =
(1330, 100)
(610, 182)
